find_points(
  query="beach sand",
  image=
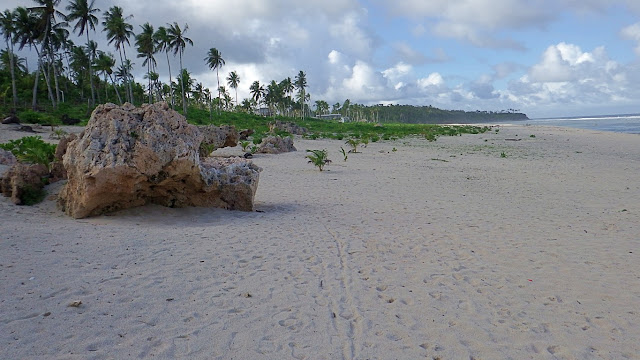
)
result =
(438, 250)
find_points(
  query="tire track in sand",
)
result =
(347, 310)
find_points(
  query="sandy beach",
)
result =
(408, 250)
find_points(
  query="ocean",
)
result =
(628, 123)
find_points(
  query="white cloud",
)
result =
(560, 63)
(632, 32)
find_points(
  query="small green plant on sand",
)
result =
(58, 133)
(245, 145)
(31, 149)
(344, 153)
(353, 142)
(503, 155)
(207, 148)
(532, 136)
(394, 149)
(318, 158)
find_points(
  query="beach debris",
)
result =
(76, 303)
(276, 145)
(127, 157)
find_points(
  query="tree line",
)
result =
(86, 73)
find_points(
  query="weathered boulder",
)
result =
(129, 156)
(11, 119)
(244, 134)
(22, 181)
(58, 171)
(290, 127)
(276, 145)
(215, 137)
(7, 157)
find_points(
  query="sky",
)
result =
(546, 58)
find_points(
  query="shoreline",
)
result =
(437, 249)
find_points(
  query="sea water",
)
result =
(629, 123)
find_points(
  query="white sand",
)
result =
(390, 255)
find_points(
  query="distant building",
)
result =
(264, 111)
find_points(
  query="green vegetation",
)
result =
(318, 158)
(353, 142)
(31, 149)
(344, 153)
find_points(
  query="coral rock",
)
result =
(129, 156)
(21, 179)
(218, 137)
(276, 145)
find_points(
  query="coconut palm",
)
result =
(301, 83)
(177, 42)
(46, 14)
(233, 80)
(83, 13)
(118, 34)
(8, 29)
(162, 41)
(318, 158)
(215, 61)
(146, 49)
(257, 92)
(105, 63)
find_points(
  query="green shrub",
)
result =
(31, 149)
(31, 195)
(33, 117)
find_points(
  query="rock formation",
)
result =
(22, 181)
(276, 145)
(128, 156)
(290, 127)
(215, 137)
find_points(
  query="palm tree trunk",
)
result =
(13, 75)
(219, 100)
(126, 70)
(55, 73)
(93, 96)
(170, 82)
(116, 88)
(149, 78)
(125, 84)
(184, 103)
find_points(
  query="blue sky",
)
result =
(545, 58)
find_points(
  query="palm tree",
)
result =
(46, 13)
(146, 49)
(177, 42)
(8, 29)
(83, 12)
(105, 63)
(185, 81)
(215, 61)
(118, 33)
(162, 40)
(233, 80)
(301, 83)
(257, 92)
